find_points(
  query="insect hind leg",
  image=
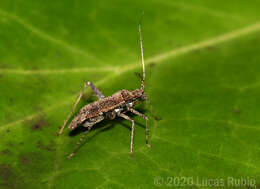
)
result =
(95, 90)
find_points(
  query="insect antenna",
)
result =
(142, 53)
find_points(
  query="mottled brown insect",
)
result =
(109, 107)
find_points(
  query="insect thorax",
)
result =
(121, 109)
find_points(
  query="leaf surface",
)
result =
(202, 61)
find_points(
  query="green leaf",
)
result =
(202, 61)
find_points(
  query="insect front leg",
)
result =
(132, 132)
(94, 89)
(146, 124)
(153, 114)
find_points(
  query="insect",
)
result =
(109, 107)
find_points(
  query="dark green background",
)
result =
(203, 79)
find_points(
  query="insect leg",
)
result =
(95, 90)
(73, 108)
(146, 124)
(133, 129)
(79, 142)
